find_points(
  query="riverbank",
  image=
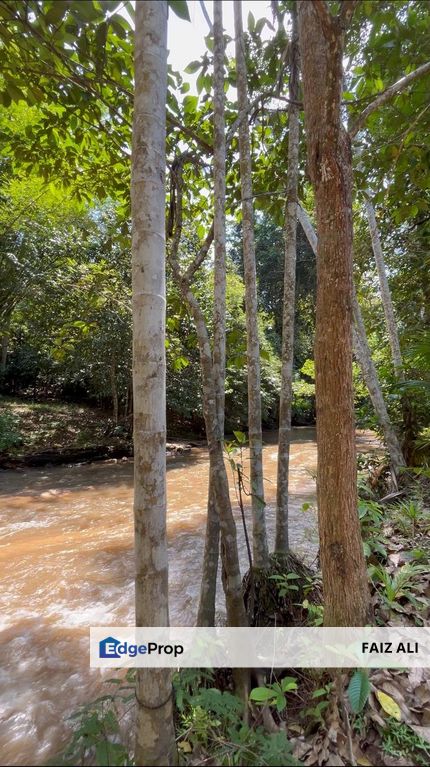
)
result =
(55, 433)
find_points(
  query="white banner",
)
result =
(220, 647)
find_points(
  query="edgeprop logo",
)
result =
(113, 648)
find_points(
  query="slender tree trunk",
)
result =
(364, 358)
(409, 418)
(206, 611)
(155, 736)
(290, 233)
(232, 580)
(260, 547)
(346, 595)
(114, 391)
(387, 302)
(4, 347)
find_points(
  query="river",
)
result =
(66, 558)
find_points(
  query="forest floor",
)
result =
(52, 432)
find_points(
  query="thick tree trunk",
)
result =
(346, 595)
(364, 358)
(155, 736)
(260, 547)
(290, 231)
(206, 611)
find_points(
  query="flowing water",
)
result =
(66, 563)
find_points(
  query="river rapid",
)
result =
(66, 563)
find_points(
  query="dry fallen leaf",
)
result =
(389, 705)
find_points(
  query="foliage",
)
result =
(97, 729)
(274, 694)
(210, 721)
(371, 516)
(358, 690)
(10, 435)
(398, 587)
(400, 741)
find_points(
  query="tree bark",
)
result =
(345, 586)
(206, 611)
(364, 358)
(260, 547)
(155, 735)
(290, 235)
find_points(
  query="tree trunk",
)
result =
(409, 418)
(387, 303)
(346, 594)
(114, 391)
(260, 547)
(364, 358)
(155, 736)
(4, 346)
(368, 370)
(290, 232)
(206, 611)
(232, 580)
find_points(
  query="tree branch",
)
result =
(325, 17)
(347, 9)
(206, 15)
(386, 95)
(201, 255)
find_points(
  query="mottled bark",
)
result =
(387, 302)
(155, 735)
(346, 595)
(206, 611)
(364, 358)
(290, 230)
(260, 547)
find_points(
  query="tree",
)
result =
(260, 547)
(321, 36)
(364, 357)
(155, 735)
(206, 612)
(387, 302)
(290, 231)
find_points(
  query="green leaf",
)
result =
(240, 437)
(262, 694)
(358, 690)
(288, 683)
(193, 67)
(180, 8)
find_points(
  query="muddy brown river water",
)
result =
(66, 563)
